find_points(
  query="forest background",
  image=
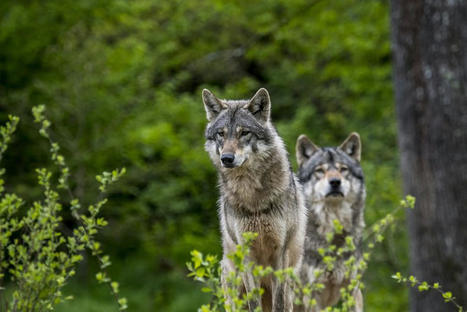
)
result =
(122, 84)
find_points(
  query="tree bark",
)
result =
(430, 78)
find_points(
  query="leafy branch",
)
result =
(89, 225)
(39, 258)
(422, 286)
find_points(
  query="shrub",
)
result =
(37, 255)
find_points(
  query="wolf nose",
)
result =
(335, 183)
(227, 159)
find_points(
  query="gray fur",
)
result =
(317, 167)
(259, 193)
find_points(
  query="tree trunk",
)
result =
(430, 77)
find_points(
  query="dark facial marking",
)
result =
(330, 156)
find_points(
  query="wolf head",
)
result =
(330, 174)
(237, 130)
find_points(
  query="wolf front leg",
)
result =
(282, 290)
(282, 294)
(252, 285)
(231, 290)
(279, 295)
(227, 286)
(291, 257)
(358, 297)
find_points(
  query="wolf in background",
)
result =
(334, 188)
(258, 193)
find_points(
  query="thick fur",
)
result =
(258, 192)
(334, 188)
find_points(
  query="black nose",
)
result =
(335, 182)
(227, 159)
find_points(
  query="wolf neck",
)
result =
(252, 188)
(328, 212)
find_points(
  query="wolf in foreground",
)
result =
(258, 193)
(334, 188)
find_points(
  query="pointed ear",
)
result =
(212, 105)
(304, 149)
(260, 105)
(352, 146)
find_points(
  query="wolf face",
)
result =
(330, 175)
(237, 130)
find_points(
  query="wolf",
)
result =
(258, 193)
(334, 189)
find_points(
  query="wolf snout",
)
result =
(335, 188)
(335, 183)
(228, 160)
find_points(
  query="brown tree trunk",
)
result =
(430, 79)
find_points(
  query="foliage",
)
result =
(35, 251)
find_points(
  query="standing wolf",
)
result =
(334, 189)
(259, 192)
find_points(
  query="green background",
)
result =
(122, 83)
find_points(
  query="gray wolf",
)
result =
(334, 189)
(258, 192)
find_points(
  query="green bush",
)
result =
(38, 253)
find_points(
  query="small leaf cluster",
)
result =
(422, 286)
(408, 202)
(37, 257)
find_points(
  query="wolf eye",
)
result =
(319, 171)
(343, 169)
(245, 132)
(221, 134)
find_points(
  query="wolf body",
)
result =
(258, 193)
(334, 189)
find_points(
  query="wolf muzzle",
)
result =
(228, 160)
(335, 190)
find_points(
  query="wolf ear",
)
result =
(304, 149)
(212, 105)
(260, 105)
(352, 146)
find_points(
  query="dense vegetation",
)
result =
(122, 83)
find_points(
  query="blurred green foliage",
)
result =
(122, 82)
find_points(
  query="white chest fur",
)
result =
(328, 212)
